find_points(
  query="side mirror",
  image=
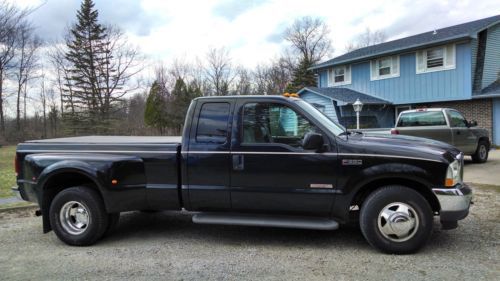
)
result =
(472, 123)
(312, 141)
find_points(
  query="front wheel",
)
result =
(481, 154)
(396, 219)
(78, 216)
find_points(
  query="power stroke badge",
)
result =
(352, 162)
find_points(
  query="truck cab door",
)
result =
(206, 157)
(271, 172)
(463, 137)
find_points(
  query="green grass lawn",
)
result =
(7, 173)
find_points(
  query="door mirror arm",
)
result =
(472, 123)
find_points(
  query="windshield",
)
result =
(333, 126)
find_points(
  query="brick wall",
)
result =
(480, 110)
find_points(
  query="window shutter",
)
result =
(347, 74)
(395, 65)
(420, 61)
(450, 56)
(374, 72)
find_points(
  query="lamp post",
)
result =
(358, 105)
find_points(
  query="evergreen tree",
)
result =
(181, 98)
(155, 112)
(302, 77)
(87, 53)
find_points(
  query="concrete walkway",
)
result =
(486, 173)
(9, 200)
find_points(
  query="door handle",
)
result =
(238, 163)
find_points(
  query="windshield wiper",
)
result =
(348, 133)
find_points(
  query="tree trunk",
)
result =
(18, 109)
(2, 121)
(24, 100)
(44, 120)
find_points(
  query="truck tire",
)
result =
(78, 216)
(481, 154)
(396, 219)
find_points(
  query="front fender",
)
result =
(388, 172)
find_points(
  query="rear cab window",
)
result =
(213, 123)
(421, 118)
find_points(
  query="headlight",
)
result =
(454, 173)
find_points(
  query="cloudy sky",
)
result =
(252, 29)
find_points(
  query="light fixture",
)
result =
(358, 106)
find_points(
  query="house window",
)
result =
(340, 75)
(436, 59)
(386, 67)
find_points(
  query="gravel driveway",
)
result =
(167, 246)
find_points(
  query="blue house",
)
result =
(456, 66)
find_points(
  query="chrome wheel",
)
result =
(482, 151)
(74, 217)
(398, 222)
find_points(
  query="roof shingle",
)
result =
(345, 95)
(447, 34)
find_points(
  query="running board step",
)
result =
(265, 221)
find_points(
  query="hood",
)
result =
(400, 145)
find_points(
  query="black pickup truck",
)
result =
(249, 160)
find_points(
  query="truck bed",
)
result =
(147, 166)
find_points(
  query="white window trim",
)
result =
(376, 76)
(445, 58)
(331, 76)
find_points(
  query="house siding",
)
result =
(409, 87)
(473, 49)
(492, 56)
(496, 122)
(317, 99)
(323, 79)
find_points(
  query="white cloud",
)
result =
(250, 29)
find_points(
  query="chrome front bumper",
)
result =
(455, 202)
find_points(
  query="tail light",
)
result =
(394, 132)
(16, 165)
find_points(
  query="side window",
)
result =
(422, 118)
(274, 123)
(456, 119)
(213, 123)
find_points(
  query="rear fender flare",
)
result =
(59, 168)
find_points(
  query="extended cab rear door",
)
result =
(270, 171)
(206, 156)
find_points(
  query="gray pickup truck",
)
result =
(446, 125)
